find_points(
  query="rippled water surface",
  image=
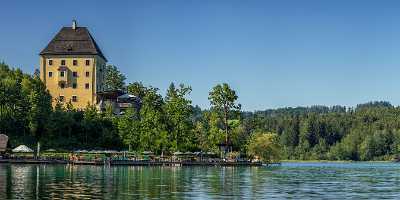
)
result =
(291, 180)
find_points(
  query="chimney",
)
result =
(74, 24)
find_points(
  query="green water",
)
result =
(291, 180)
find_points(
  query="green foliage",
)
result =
(178, 112)
(201, 130)
(113, 79)
(369, 131)
(153, 122)
(137, 89)
(39, 100)
(27, 117)
(25, 104)
(129, 129)
(13, 104)
(265, 146)
(223, 100)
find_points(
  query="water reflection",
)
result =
(297, 181)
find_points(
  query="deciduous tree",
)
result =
(223, 99)
(178, 112)
(113, 79)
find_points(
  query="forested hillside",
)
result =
(369, 131)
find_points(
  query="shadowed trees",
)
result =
(171, 123)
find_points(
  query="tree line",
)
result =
(159, 124)
(165, 124)
(370, 131)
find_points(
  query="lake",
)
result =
(358, 180)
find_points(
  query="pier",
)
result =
(137, 163)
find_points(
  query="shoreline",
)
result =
(173, 163)
(335, 161)
(134, 163)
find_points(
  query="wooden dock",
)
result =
(33, 161)
(132, 163)
(181, 163)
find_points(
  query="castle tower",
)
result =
(72, 67)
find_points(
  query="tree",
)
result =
(178, 112)
(377, 144)
(40, 109)
(90, 117)
(153, 135)
(36, 73)
(13, 103)
(369, 131)
(223, 99)
(114, 79)
(129, 129)
(264, 145)
(216, 129)
(139, 90)
(201, 130)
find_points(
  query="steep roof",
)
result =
(69, 41)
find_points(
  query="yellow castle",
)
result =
(72, 67)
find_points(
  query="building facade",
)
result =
(72, 66)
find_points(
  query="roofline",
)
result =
(72, 54)
(100, 53)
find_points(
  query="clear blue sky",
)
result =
(273, 53)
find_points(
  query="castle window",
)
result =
(74, 98)
(50, 74)
(75, 62)
(74, 85)
(75, 74)
(62, 85)
(50, 62)
(62, 62)
(87, 62)
(87, 85)
(87, 74)
(62, 73)
(61, 98)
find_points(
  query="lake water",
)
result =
(291, 180)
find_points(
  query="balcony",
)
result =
(63, 74)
